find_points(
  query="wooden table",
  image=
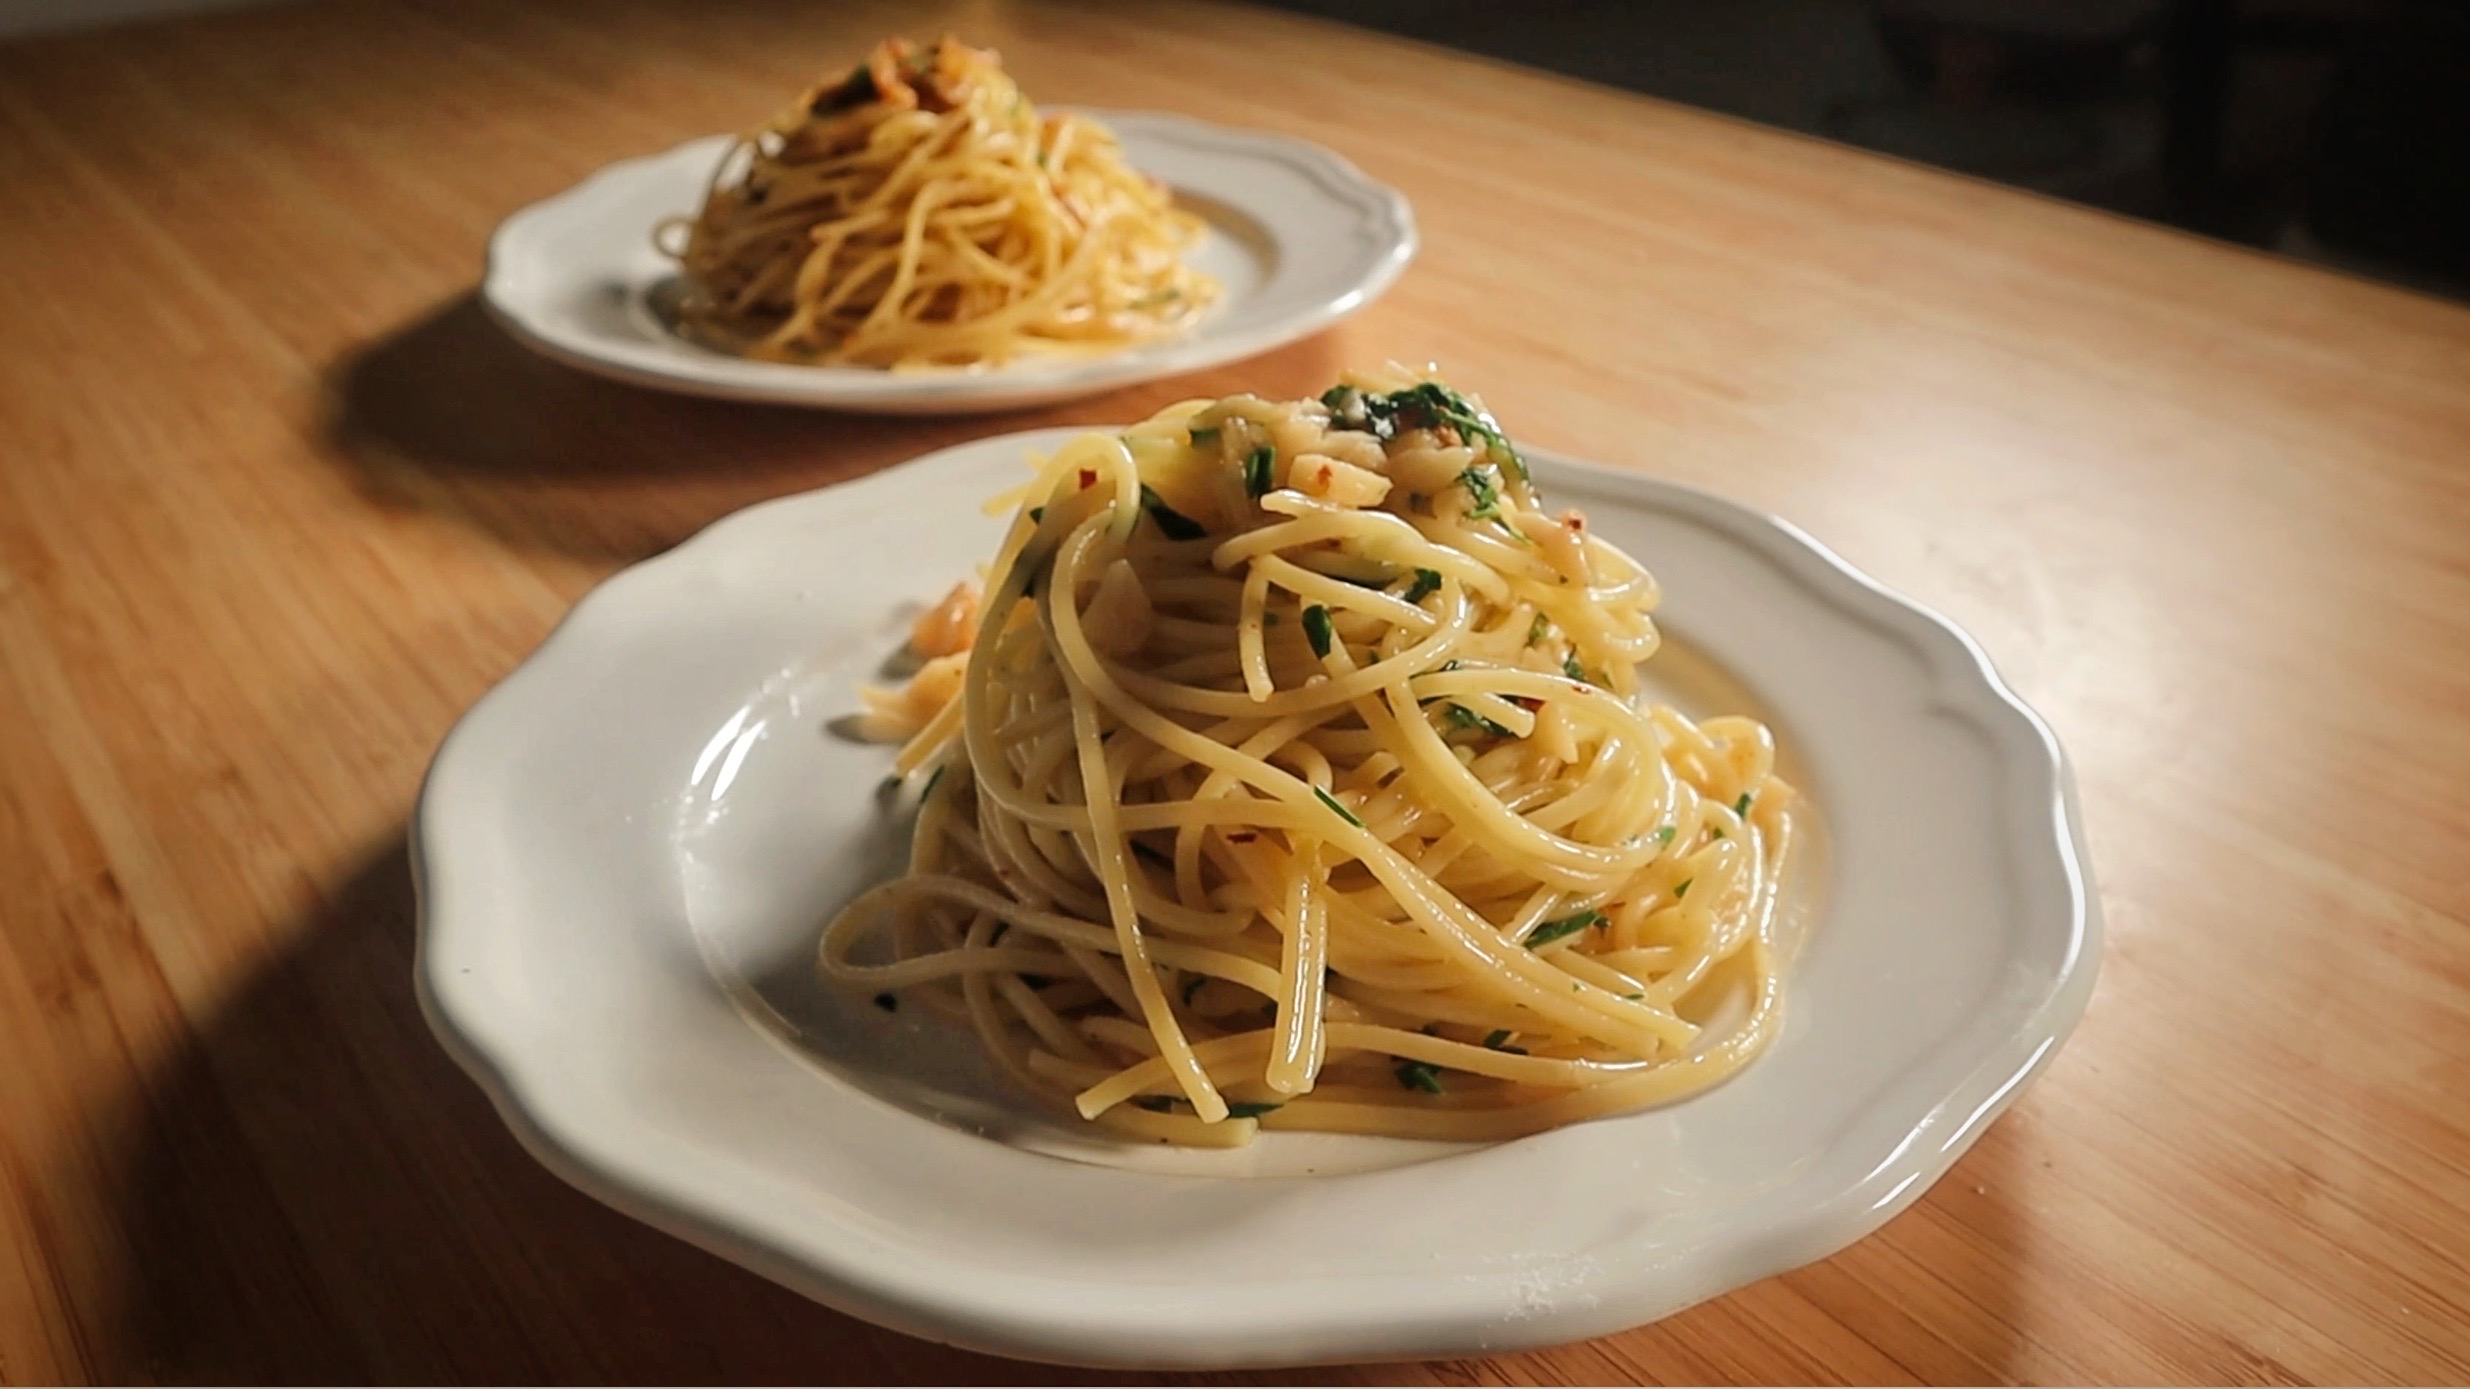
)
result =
(277, 503)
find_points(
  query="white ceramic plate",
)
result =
(1298, 238)
(625, 851)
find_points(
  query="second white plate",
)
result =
(1298, 237)
(624, 854)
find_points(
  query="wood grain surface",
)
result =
(277, 502)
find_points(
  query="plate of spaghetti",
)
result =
(1285, 881)
(914, 235)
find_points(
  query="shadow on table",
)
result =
(450, 415)
(316, 1193)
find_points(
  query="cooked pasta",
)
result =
(921, 213)
(1296, 775)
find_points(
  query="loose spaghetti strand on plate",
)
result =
(921, 213)
(1294, 777)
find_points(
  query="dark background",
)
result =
(2333, 130)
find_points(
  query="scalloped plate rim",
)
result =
(598, 1158)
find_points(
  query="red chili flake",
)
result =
(1576, 521)
(1089, 478)
(1527, 702)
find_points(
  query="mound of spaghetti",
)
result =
(921, 213)
(1292, 773)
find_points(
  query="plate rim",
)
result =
(586, 1157)
(1370, 204)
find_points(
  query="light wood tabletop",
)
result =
(277, 502)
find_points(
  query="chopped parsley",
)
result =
(887, 1003)
(1425, 405)
(1683, 890)
(1487, 494)
(1539, 629)
(1499, 1041)
(1664, 835)
(1741, 807)
(1565, 926)
(1426, 582)
(1460, 716)
(1260, 471)
(1171, 523)
(1338, 805)
(1250, 1109)
(1420, 1075)
(1037, 513)
(1571, 668)
(1204, 436)
(1319, 629)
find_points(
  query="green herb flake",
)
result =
(1250, 1109)
(1564, 926)
(887, 1003)
(1427, 581)
(1173, 524)
(1205, 436)
(1633, 997)
(1260, 471)
(1426, 405)
(1741, 807)
(1499, 1041)
(1338, 805)
(1319, 629)
(1571, 668)
(1539, 629)
(1420, 1075)
(1037, 514)
(1664, 835)
(1486, 493)
(1155, 1104)
(1460, 716)
(1683, 890)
